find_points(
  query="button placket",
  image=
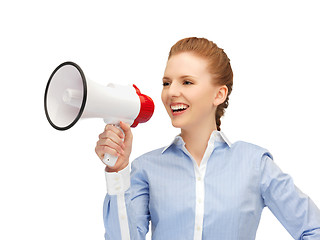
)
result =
(200, 186)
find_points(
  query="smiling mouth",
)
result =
(179, 108)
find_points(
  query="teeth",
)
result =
(179, 107)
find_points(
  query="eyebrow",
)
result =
(187, 76)
(182, 77)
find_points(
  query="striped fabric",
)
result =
(221, 199)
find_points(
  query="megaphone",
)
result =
(69, 96)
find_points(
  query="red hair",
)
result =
(218, 65)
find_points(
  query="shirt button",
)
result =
(118, 188)
(198, 228)
(199, 201)
(117, 178)
(123, 217)
(199, 179)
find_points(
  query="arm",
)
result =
(295, 210)
(125, 210)
(114, 207)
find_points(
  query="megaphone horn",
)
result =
(60, 115)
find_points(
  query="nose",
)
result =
(174, 89)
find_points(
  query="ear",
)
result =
(221, 95)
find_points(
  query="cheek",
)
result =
(163, 97)
(204, 100)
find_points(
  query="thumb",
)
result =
(126, 129)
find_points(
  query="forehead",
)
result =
(186, 64)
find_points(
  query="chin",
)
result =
(178, 124)
(175, 124)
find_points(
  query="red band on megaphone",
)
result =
(146, 108)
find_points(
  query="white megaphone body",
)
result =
(69, 97)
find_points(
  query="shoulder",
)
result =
(247, 147)
(249, 152)
(148, 157)
(152, 154)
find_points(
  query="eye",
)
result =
(187, 82)
(165, 84)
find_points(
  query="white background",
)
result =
(52, 183)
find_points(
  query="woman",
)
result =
(201, 186)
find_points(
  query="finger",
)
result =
(107, 150)
(112, 136)
(114, 129)
(111, 144)
(104, 149)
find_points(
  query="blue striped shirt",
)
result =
(223, 198)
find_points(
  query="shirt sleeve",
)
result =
(125, 210)
(294, 209)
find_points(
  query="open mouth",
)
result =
(178, 108)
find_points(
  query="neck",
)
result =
(196, 140)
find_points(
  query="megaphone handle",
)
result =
(109, 159)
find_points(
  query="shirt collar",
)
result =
(216, 136)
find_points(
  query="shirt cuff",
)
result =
(118, 182)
